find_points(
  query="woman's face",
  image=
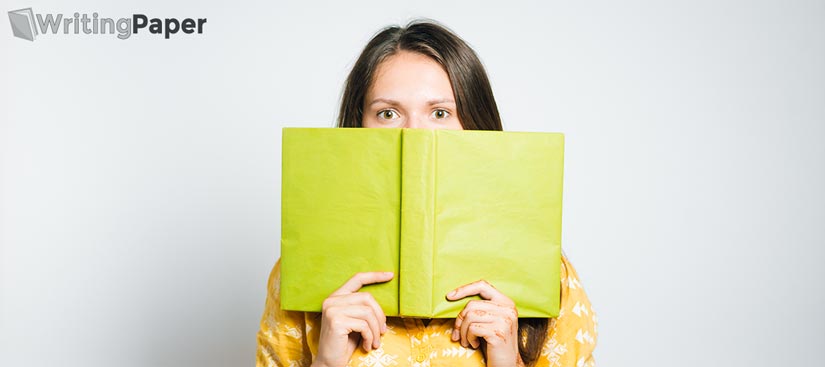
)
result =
(410, 90)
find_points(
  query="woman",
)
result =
(424, 76)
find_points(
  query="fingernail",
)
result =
(387, 273)
(454, 337)
(451, 293)
(384, 328)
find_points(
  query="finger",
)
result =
(359, 299)
(481, 288)
(367, 314)
(361, 279)
(508, 313)
(366, 299)
(491, 333)
(474, 317)
(353, 325)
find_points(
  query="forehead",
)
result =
(408, 76)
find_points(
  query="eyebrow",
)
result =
(393, 102)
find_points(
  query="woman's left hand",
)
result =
(494, 319)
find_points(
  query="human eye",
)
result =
(440, 114)
(388, 114)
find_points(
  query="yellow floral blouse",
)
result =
(290, 338)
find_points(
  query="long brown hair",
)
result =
(474, 100)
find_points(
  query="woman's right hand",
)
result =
(348, 318)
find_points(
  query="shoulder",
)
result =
(572, 335)
(281, 337)
(568, 275)
(274, 316)
(273, 285)
(573, 297)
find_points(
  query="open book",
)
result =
(439, 208)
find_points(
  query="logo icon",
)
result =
(25, 23)
(22, 23)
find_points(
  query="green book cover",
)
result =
(439, 208)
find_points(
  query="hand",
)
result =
(494, 319)
(348, 318)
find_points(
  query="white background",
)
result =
(140, 179)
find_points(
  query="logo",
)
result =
(22, 23)
(27, 25)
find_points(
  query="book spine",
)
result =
(417, 222)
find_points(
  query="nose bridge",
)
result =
(415, 121)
